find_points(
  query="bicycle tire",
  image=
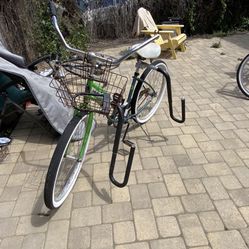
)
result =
(140, 116)
(59, 162)
(243, 76)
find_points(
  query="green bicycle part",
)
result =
(87, 134)
(91, 85)
(93, 89)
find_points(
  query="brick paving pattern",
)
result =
(189, 186)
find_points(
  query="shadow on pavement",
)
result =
(230, 91)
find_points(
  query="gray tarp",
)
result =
(57, 114)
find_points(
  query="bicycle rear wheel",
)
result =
(243, 76)
(67, 160)
(149, 93)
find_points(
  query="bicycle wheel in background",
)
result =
(149, 93)
(67, 160)
(243, 76)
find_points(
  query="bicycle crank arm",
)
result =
(115, 152)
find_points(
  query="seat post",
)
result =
(138, 65)
(141, 64)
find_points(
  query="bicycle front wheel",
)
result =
(67, 160)
(149, 93)
(243, 76)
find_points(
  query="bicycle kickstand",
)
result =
(115, 151)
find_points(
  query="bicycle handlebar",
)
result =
(52, 8)
(92, 55)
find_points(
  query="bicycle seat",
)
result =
(150, 51)
(13, 58)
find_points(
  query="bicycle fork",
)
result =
(115, 151)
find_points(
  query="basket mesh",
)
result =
(72, 85)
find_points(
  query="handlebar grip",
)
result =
(52, 8)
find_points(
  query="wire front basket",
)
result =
(90, 88)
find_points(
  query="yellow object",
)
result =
(170, 34)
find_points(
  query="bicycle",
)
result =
(89, 84)
(243, 76)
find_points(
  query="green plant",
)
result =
(191, 16)
(47, 40)
(244, 23)
(220, 8)
(209, 16)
